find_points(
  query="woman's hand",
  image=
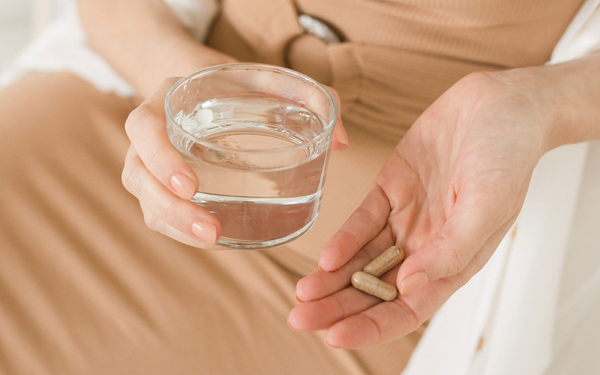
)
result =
(448, 195)
(156, 174)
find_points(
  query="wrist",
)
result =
(551, 86)
(532, 93)
(175, 54)
(564, 96)
(546, 91)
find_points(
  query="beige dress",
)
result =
(86, 288)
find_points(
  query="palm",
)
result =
(448, 194)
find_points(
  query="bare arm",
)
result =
(570, 93)
(143, 41)
(448, 195)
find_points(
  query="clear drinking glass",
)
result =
(258, 138)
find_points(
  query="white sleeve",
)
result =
(61, 46)
(195, 15)
(582, 36)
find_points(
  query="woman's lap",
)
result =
(85, 287)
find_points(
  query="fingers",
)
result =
(146, 128)
(362, 226)
(340, 137)
(355, 319)
(384, 321)
(181, 214)
(323, 313)
(470, 225)
(375, 211)
(381, 323)
(307, 94)
(391, 320)
(156, 224)
(320, 284)
(387, 321)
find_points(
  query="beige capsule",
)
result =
(373, 286)
(385, 261)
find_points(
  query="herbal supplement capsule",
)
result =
(385, 261)
(373, 286)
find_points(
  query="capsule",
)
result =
(373, 286)
(384, 262)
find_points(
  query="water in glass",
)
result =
(261, 165)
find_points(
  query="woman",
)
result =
(88, 289)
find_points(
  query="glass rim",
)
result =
(258, 67)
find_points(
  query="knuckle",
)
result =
(133, 120)
(156, 162)
(458, 261)
(171, 213)
(457, 281)
(129, 177)
(368, 216)
(349, 236)
(416, 319)
(137, 118)
(150, 220)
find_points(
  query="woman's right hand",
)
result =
(156, 174)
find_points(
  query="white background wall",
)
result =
(15, 27)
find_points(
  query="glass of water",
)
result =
(258, 138)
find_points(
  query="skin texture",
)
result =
(151, 164)
(449, 193)
(154, 171)
(153, 36)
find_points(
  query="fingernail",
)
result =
(330, 345)
(290, 325)
(183, 186)
(206, 232)
(342, 138)
(321, 268)
(413, 282)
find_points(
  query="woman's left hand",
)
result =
(448, 195)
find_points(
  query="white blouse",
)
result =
(534, 309)
(61, 45)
